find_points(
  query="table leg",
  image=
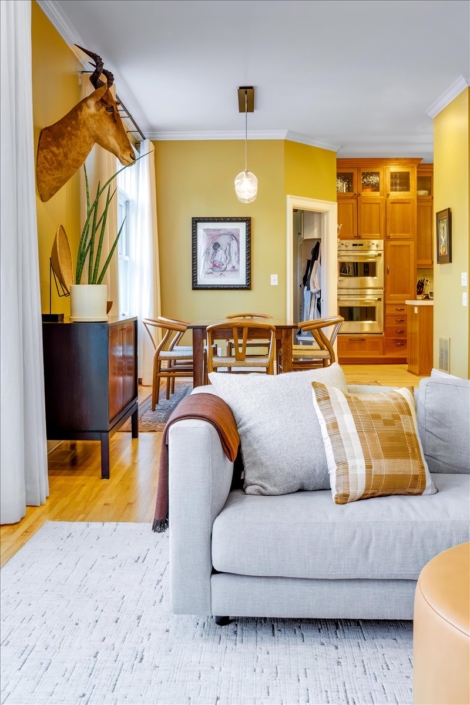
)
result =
(135, 423)
(286, 349)
(199, 336)
(105, 456)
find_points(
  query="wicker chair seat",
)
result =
(231, 361)
(176, 354)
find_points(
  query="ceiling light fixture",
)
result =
(246, 183)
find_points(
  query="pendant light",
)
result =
(246, 183)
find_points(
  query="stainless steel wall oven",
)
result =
(363, 311)
(360, 264)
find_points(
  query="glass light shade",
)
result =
(246, 186)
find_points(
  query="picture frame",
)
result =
(221, 251)
(444, 236)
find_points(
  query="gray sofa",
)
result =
(300, 555)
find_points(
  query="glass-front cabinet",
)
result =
(401, 181)
(346, 183)
(370, 181)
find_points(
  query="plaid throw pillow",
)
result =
(371, 443)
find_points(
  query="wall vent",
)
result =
(444, 355)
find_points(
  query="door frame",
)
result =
(329, 252)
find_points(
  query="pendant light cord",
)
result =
(246, 131)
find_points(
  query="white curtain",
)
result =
(138, 182)
(100, 166)
(23, 470)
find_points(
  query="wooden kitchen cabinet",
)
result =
(400, 180)
(401, 218)
(420, 337)
(90, 372)
(400, 269)
(425, 217)
(378, 199)
(370, 217)
(347, 216)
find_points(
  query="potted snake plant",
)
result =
(88, 300)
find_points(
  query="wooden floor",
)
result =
(77, 493)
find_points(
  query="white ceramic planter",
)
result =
(88, 302)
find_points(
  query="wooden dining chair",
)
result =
(254, 343)
(174, 345)
(321, 352)
(244, 332)
(167, 353)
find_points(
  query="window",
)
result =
(127, 198)
(124, 244)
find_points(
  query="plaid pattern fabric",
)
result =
(371, 443)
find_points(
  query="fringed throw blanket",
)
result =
(206, 407)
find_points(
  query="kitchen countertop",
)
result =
(420, 302)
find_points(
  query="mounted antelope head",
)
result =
(64, 146)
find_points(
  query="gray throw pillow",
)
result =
(281, 440)
(444, 423)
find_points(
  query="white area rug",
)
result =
(86, 619)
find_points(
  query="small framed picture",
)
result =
(444, 236)
(221, 253)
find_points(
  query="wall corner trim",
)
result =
(66, 30)
(448, 96)
(69, 34)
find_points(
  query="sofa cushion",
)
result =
(281, 441)
(306, 535)
(444, 423)
(371, 443)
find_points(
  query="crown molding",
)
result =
(217, 135)
(66, 30)
(304, 139)
(240, 135)
(448, 96)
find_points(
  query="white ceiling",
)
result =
(355, 75)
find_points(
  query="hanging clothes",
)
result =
(312, 284)
(315, 287)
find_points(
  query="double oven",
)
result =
(361, 285)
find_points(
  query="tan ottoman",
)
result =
(441, 640)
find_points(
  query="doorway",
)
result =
(319, 224)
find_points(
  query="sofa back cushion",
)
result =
(281, 441)
(444, 423)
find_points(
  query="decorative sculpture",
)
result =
(64, 146)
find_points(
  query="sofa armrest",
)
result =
(200, 475)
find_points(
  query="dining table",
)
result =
(283, 342)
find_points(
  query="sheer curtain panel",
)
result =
(145, 270)
(23, 470)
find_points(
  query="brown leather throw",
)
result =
(206, 407)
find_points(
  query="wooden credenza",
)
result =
(90, 372)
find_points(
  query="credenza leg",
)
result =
(135, 423)
(105, 456)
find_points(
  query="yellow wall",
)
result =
(55, 91)
(195, 178)
(451, 190)
(309, 171)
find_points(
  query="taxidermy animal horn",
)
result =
(64, 146)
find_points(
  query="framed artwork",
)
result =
(221, 253)
(444, 236)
